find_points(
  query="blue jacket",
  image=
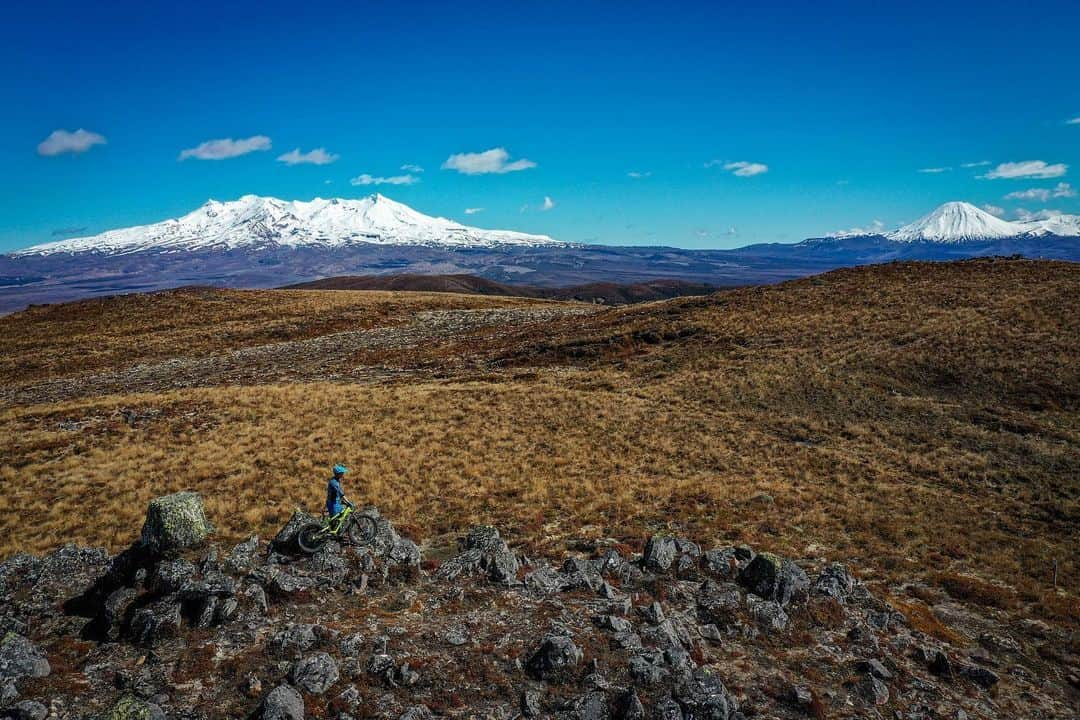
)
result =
(334, 494)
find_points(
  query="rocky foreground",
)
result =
(173, 627)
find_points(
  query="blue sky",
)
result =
(742, 124)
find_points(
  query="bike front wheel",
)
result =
(362, 529)
(311, 537)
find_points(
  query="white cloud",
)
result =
(62, 141)
(980, 163)
(935, 170)
(638, 175)
(473, 211)
(1061, 190)
(1073, 121)
(1026, 169)
(410, 168)
(548, 203)
(742, 168)
(994, 210)
(1027, 216)
(494, 160)
(366, 179)
(318, 156)
(226, 148)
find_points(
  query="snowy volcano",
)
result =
(254, 221)
(961, 222)
(956, 222)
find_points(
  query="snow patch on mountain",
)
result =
(254, 221)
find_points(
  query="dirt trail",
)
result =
(320, 358)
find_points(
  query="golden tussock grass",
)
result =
(914, 420)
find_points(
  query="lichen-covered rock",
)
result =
(130, 707)
(243, 556)
(169, 576)
(774, 578)
(659, 553)
(175, 522)
(156, 622)
(293, 640)
(555, 657)
(20, 658)
(26, 710)
(315, 673)
(282, 703)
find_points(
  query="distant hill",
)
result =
(602, 292)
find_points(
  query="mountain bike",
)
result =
(356, 528)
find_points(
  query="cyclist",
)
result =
(335, 496)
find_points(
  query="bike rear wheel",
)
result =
(311, 537)
(362, 529)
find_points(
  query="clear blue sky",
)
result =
(843, 102)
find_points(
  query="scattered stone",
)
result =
(20, 658)
(835, 581)
(282, 703)
(531, 703)
(556, 655)
(873, 690)
(315, 673)
(156, 622)
(293, 639)
(981, 676)
(27, 710)
(242, 558)
(660, 553)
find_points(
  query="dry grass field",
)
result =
(917, 421)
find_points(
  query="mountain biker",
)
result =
(335, 496)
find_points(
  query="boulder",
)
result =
(659, 553)
(774, 578)
(769, 615)
(169, 576)
(315, 673)
(20, 658)
(726, 563)
(282, 703)
(175, 522)
(556, 656)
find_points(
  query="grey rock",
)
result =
(293, 640)
(554, 658)
(282, 703)
(130, 707)
(629, 707)
(774, 578)
(315, 673)
(706, 697)
(351, 645)
(544, 580)
(20, 658)
(647, 669)
(981, 676)
(769, 616)
(652, 614)
(876, 668)
(114, 611)
(591, 706)
(156, 622)
(285, 540)
(531, 703)
(660, 552)
(873, 690)
(28, 710)
(242, 558)
(170, 576)
(175, 522)
(718, 602)
(416, 712)
(834, 581)
(667, 709)
(614, 623)
(483, 552)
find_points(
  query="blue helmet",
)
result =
(340, 469)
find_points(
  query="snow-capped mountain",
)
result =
(1060, 225)
(254, 221)
(956, 222)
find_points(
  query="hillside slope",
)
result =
(918, 421)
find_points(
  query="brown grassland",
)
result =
(917, 421)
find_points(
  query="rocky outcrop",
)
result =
(673, 632)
